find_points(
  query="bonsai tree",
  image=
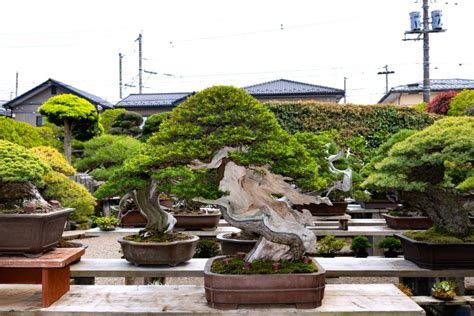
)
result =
(433, 171)
(221, 146)
(359, 246)
(107, 118)
(152, 124)
(127, 123)
(329, 245)
(69, 111)
(391, 245)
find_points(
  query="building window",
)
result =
(54, 90)
(39, 121)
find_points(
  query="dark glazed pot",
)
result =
(224, 291)
(408, 222)
(198, 221)
(361, 253)
(230, 246)
(336, 209)
(31, 234)
(438, 256)
(170, 253)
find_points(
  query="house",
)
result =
(24, 108)
(3, 111)
(412, 93)
(276, 90)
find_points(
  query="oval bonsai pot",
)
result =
(436, 255)
(197, 221)
(336, 209)
(224, 291)
(31, 234)
(408, 222)
(231, 246)
(170, 253)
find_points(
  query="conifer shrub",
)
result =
(107, 118)
(461, 102)
(54, 159)
(21, 133)
(152, 124)
(127, 123)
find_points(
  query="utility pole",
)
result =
(16, 85)
(345, 89)
(140, 68)
(386, 73)
(120, 75)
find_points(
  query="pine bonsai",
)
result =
(433, 171)
(217, 138)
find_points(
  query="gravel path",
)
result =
(107, 247)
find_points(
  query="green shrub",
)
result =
(152, 124)
(390, 243)
(360, 243)
(103, 155)
(127, 123)
(70, 194)
(207, 248)
(422, 107)
(18, 164)
(374, 122)
(107, 118)
(21, 133)
(469, 111)
(329, 245)
(54, 159)
(106, 222)
(461, 102)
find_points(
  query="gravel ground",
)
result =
(107, 247)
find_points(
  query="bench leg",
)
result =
(55, 282)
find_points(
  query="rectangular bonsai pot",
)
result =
(31, 234)
(336, 209)
(436, 255)
(378, 204)
(224, 291)
(408, 222)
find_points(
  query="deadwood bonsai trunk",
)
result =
(448, 210)
(21, 194)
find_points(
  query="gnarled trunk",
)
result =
(21, 194)
(158, 221)
(447, 210)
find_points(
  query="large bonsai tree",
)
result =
(70, 111)
(222, 146)
(433, 170)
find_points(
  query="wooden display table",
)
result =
(51, 270)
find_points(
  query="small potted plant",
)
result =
(444, 290)
(329, 246)
(359, 246)
(391, 246)
(106, 223)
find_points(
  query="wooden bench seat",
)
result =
(339, 299)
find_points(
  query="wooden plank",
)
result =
(340, 299)
(57, 258)
(20, 275)
(335, 267)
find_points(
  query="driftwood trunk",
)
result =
(447, 210)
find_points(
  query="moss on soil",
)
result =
(438, 235)
(159, 238)
(236, 266)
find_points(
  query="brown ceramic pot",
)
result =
(436, 255)
(230, 246)
(31, 234)
(197, 221)
(378, 204)
(147, 253)
(305, 290)
(408, 222)
(133, 218)
(336, 209)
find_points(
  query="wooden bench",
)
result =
(51, 270)
(339, 299)
(356, 209)
(129, 231)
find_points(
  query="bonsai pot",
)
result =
(390, 253)
(361, 253)
(378, 204)
(133, 218)
(31, 234)
(436, 255)
(336, 209)
(224, 291)
(230, 246)
(408, 222)
(197, 221)
(170, 253)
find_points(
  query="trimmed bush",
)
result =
(152, 124)
(461, 102)
(440, 103)
(21, 133)
(127, 123)
(55, 159)
(70, 194)
(107, 118)
(374, 122)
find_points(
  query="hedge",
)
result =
(374, 122)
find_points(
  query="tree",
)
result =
(243, 143)
(152, 124)
(461, 102)
(440, 103)
(127, 123)
(107, 118)
(433, 171)
(69, 111)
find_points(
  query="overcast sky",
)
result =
(195, 44)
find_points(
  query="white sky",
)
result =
(227, 42)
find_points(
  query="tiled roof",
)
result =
(95, 100)
(4, 111)
(284, 86)
(153, 99)
(436, 85)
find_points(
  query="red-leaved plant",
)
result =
(440, 103)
